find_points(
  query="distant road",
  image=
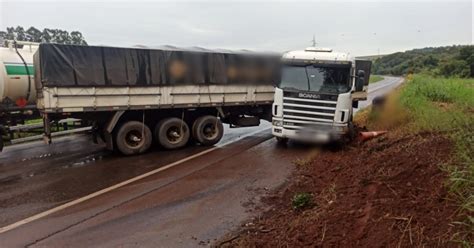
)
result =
(380, 88)
(192, 197)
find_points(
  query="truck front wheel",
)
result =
(133, 137)
(172, 133)
(281, 141)
(208, 130)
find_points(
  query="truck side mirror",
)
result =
(359, 85)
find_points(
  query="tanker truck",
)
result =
(17, 91)
(134, 97)
(315, 97)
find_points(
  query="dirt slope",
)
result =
(387, 192)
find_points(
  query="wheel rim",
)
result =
(174, 134)
(134, 138)
(210, 131)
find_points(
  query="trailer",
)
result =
(18, 112)
(133, 97)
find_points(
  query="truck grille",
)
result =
(302, 112)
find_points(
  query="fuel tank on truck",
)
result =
(16, 90)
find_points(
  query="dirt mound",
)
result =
(388, 192)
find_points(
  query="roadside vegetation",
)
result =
(375, 78)
(447, 106)
(449, 61)
(412, 187)
(444, 106)
(302, 200)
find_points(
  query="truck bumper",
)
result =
(314, 134)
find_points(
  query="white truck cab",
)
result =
(315, 97)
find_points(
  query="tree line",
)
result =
(448, 61)
(47, 35)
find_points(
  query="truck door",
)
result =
(365, 66)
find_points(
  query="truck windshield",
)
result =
(315, 78)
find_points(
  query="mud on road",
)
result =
(388, 192)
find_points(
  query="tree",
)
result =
(457, 68)
(47, 35)
(467, 55)
(76, 38)
(34, 34)
(449, 61)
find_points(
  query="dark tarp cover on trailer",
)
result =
(72, 65)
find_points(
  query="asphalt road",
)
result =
(180, 204)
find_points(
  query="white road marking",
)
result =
(116, 186)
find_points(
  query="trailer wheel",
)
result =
(172, 133)
(133, 137)
(208, 130)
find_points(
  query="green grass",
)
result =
(302, 200)
(446, 105)
(34, 121)
(375, 78)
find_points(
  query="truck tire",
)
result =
(352, 133)
(208, 130)
(133, 137)
(172, 133)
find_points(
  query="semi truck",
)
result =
(317, 93)
(134, 97)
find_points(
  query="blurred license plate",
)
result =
(310, 135)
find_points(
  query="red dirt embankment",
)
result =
(387, 192)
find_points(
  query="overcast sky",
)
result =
(359, 27)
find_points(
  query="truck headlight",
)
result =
(277, 123)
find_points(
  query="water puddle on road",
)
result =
(41, 156)
(84, 161)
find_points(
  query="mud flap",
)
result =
(107, 131)
(47, 129)
(109, 142)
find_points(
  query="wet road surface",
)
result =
(35, 177)
(189, 204)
